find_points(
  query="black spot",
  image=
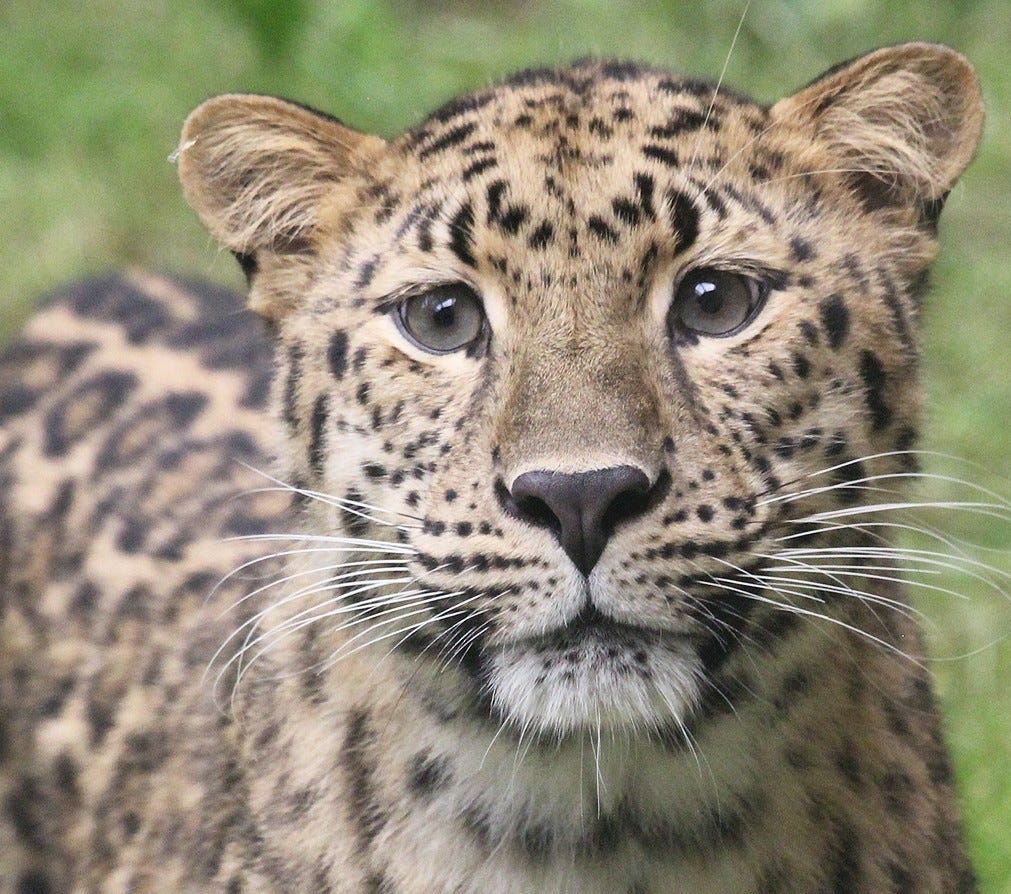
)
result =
(493, 197)
(542, 236)
(425, 233)
(375, 883)
(661, 154)
(835, 319)
(295, 356)
(139, 315)
(684, 218)
(360, 356)
(898, 312)
(320, 413)
(364, 811)
(21, 807)
(801, 249)
(682, 121)
(801, 365)
(427, 774)
(478, 167)
(809, 331)
(460, 106)
(16, 398)
(844, 859)
(183, 406)
(131, 536)
(33, 882)
(512, 219)
(875, 380)
(775, 628)
(621, 71)
(366, 272)
(601, 228)
(749, 203)
(102, 395)
(794, 687)
(714, 202)
(847, 763)
(100, 716)
(900, 879)
(452, 137)
(461, 241)
(645, 186)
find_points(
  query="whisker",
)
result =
(376, 566)
(730, 586)
(284, 486)
(919, 475)
(352, 543)
(273, 637)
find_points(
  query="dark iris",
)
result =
(714, 302)
(442, 320)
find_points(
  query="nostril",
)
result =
(524, 503)
(537, 512)
(638, 498)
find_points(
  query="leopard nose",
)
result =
(582, 509)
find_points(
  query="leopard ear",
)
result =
(259, 171)
(906, 120)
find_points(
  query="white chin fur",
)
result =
(596, 684)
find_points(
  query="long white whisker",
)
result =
(731, 586)
(352, 544)
(285, 487)
(273, 637)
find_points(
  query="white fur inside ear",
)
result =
(910, 117)
(259, 170)
(899, 129)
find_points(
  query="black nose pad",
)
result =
(583, 508)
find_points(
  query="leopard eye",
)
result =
(714, 302)
(442, 320)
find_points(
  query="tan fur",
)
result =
(716, 706)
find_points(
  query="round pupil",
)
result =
(443, 312)
(709, 298)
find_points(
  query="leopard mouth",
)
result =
(593, 630)
(594, 672)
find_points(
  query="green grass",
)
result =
(92, 95)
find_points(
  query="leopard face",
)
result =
(571, 349)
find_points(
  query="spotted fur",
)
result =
(476, 710)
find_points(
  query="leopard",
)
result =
(520, 533)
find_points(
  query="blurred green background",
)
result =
(92, 94)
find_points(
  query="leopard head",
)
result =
(570, 349)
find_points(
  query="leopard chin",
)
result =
(596, 675)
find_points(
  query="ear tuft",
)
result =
(907, 120)
(258, 169)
